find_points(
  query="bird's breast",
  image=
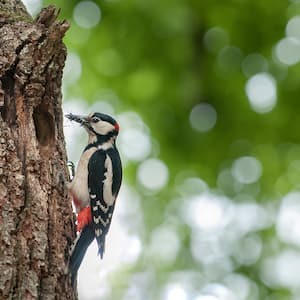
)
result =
(79, 186)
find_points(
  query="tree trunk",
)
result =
(36, 221)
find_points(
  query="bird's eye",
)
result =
(95, 119)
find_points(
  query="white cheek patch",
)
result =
(103, 127)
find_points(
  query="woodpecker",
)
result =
(95, 185)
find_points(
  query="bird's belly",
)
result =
(79, 190)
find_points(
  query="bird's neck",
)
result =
(101, 141)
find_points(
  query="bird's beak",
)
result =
(83, 120)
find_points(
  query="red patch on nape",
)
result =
(117, 127)
(84, 218)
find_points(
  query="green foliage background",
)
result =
(153, 55)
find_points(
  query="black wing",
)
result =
(104, 182)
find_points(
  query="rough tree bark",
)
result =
(36, 224)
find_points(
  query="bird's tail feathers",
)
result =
(101, 246)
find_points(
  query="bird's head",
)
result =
(99, 126)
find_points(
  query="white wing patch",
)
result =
(104, 223)
(102, 207)
(98, 232)
(99, 219)
(108, 197)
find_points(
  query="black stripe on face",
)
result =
(105, 118)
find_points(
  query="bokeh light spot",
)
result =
(250, 216)
(72, 70)
(220, 291)
(133, 250)
(206, 211)
(165, 244)
(104, 107)
(287, 51)
(153, 174)
(206, 249)
(192, 186)
(293, 27)
(135, 144)
(175, 292)
(288, 268)
(246, 169)
(261, 92)
(134, 140)
(203, 117)
(248, 249)
(254, 63)
(87, 14)
(230, 59)
(282, 270)
(215, 39)
(131, 119)
(242, 286)
(288, 220)
(33, 6)
(207, 297)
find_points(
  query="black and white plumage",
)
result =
(96, 185)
